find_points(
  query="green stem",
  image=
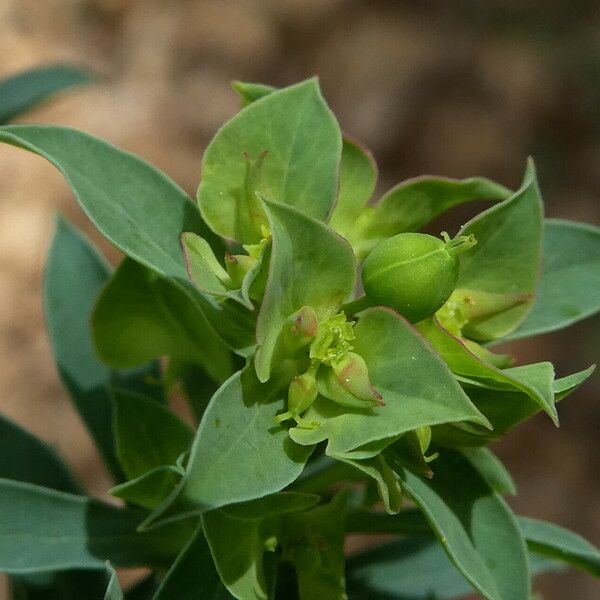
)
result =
(358, 305)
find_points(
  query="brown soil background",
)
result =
(454, 88)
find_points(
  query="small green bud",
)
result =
(302, 392)
(237, 266)
(299, 330)
(413, 273)
(347, 383)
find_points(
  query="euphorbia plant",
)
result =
(324, 407)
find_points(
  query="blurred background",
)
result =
(432, 87)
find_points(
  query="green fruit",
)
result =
(413, 273)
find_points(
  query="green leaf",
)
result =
(250, 92)
(271, 505)
(313, 541)
(148, 435)
(238, 536)
(568, 290)
(561, 544)
(75, 274)
(310, 265)
(504, 409)
(358, 177)
(23, 91)
(140, 316)
(150, 489)
(238, 548)
(489, 466)
(239, 452)
(378, 469)
(303, 144)
(474, 525)
(534, 380)
(44, 530)
(23, 457)
(413, 203)
(506, 258)
(193, 575)
(133, 205)
(414, 568)
(113, 590)
(417, 388)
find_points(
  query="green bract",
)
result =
(317, 411)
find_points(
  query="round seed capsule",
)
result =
(413, 273)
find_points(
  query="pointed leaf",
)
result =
(568, 290)
(23, 91)
(504, 409)
(113, 590)
(489, 466)
(148, 435)
(23, 457)
(507, 256)
(417, 388)
(118, 191)
(140, 316)
(239, 452)
(533, 380)
(150, 489)
(561, 544)
(250, 92)
(358, 177)
(74, 276)
(474, 525)
(193, 575)
(310, 265)
(414, 568)
(45, 530)
(303, 144)
(413, 203)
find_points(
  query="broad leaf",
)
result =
(44, 530)
(568, 290)
(533, 380)
(417, 388)
(415, 202)
(302, 142)
(119, 192)
(270, 506)
(150, 489)
(193, 575)
(310, 265)
(140, 316)
(23, 91)
(23, 457)
(75, 274)
(239, 452)
(561, 544)
(358, 177)
(507, 256)
(414, 568)
(474, 525)
(148, 435)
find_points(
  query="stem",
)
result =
(358, 305)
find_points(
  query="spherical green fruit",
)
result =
(413, 273)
